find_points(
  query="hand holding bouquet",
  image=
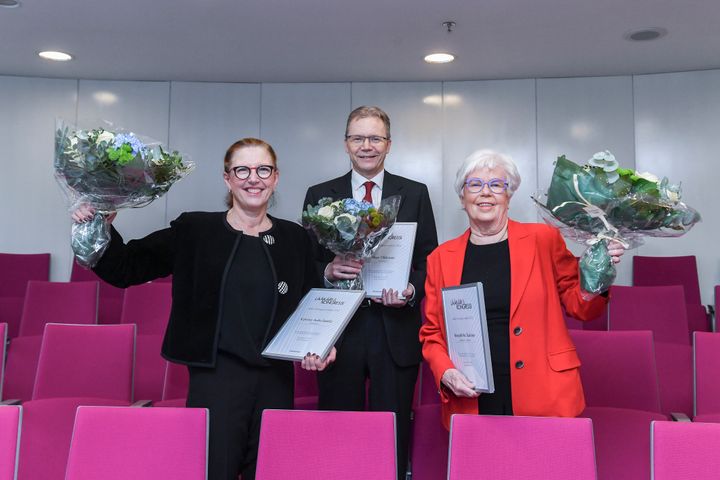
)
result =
(351, 228)
(599, 201)
(110, 170)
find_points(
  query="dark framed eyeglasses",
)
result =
(262, 171)
(358, 140)
(496, 185)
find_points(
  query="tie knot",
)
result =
(368, 191)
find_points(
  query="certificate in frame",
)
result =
(389, 266)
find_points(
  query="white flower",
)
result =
(648, 176)
(327, 211)
(607, 162)
(672, 195)
(105, 136)
(350, 218)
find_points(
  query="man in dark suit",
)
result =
(380, 344)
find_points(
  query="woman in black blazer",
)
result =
(237, 276)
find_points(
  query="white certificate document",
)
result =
(315, 325)
(467, 334)
(389, 266)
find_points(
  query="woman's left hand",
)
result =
(313, 362)
(616, 250)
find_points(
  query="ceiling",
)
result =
(341, 40)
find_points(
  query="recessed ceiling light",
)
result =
(56, 56)
(439, 58)
(646, 34)
(9, 3)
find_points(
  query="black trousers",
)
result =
(500, 401)
(363, 355)
(236, 394)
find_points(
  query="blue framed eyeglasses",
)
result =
(496, 185)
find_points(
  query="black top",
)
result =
(246, 311)
(490, 265)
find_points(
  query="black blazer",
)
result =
(197, 249)
(401, 324)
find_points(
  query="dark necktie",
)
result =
(368, 191)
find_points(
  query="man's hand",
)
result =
(391, 298)
(343, 268)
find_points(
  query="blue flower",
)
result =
(354, 206)
(130, 139)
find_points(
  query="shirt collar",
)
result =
(357, 180)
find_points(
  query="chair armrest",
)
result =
(711, 315)
(11, 401)
(679, 417)
(142, 403)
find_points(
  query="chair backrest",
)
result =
(685, 450)
(10, 425)
(110, 298)
(86, 361)
(115, 443)
(176, 381)
(618, 369)
(706, 365)
(428, 443)
(148, 306)
(356, 445)
(659, 309)
(658, 271)
(15, 272)
(506, 447)
(59, 302)
(675, 372)
(3, 346)
(150, 368)
(21, 367)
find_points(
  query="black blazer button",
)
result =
(519, 364)
(517, 331)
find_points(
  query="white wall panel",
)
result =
(578, 117)
(415, 111)
(205, 119)
(305, 124)
(33, 210)
(499, 115)
(141, 107)
(676, 128)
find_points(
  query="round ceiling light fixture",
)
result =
(9, 3)
(646, 34)
(55, 56)
(439, 58)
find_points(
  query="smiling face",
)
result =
(368, 158)
(253, 193)
(487, 211)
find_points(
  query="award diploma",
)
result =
(389, 266)
(315, 325)
(467, 334)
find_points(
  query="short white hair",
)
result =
(489, 159)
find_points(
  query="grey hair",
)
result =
(489, 159)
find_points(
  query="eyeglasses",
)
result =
(358, 140)
(262, 171)
(496, 185)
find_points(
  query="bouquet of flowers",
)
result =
(109, 170)
(351, 228)
(600, 201)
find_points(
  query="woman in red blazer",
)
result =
(528, 275)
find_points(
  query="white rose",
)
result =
(648, 176)
(106, 136)
(327, 211)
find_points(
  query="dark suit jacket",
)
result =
(401, 324)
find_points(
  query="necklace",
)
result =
(238, 224)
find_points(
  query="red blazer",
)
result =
(544, 277)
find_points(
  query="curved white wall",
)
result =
(662, 123)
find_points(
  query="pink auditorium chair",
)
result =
(21, 366)
(60, 302)
(149, 368)
(658, 271)
(355, 445)
(175, 386)
(15, 272)
(115, 443)
(10, 426)
(706, 363)
(507, 447)
(674, 363)
(110, 298)
(3, 346)
(683, 450)
(86, 361)
(618, 369)
(428, 444)
(306, 389)
(148, 306)
(660, 309)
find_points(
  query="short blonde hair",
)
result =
(489, 159)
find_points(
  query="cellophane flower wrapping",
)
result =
(599, 202)
(109, 170)
(351, 228)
